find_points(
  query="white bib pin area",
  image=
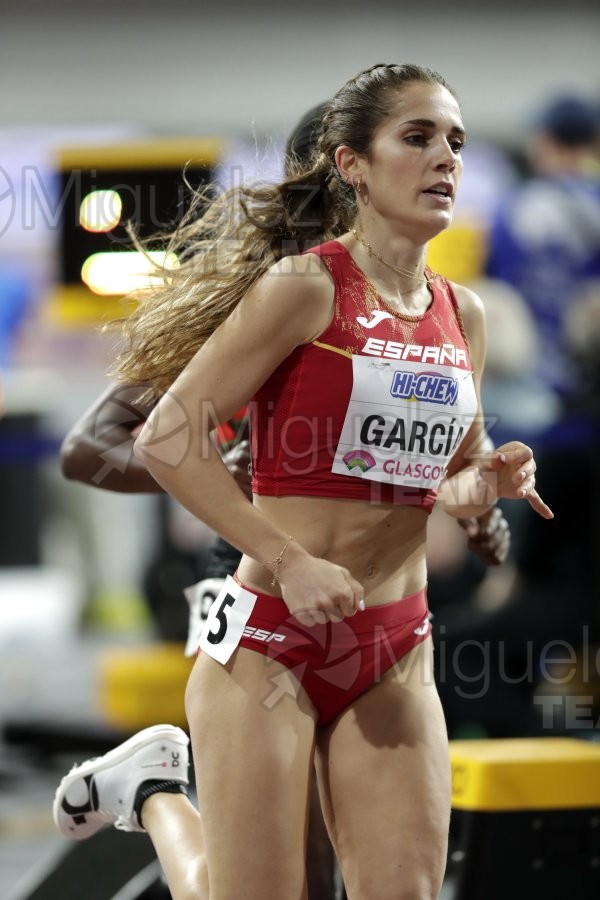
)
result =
(226, 620)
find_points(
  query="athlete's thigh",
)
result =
(252, 732)
(384, 775)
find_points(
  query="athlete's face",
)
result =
(414, 164)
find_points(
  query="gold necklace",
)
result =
(422, 278)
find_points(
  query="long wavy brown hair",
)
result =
(229, 239)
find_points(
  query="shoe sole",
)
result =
(113, 757)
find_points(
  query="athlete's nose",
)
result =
(446, 161)
(445, 158)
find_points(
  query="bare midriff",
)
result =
(382, 545)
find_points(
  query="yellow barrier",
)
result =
(74, 307)
(142, 686)
(157, 153)
(459, 252)
(526, 819)
(519, 773)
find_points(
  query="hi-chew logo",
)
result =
(359, 460)
(429, 386)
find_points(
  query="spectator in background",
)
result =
(14, 301)
(545, 236)
(515, 398)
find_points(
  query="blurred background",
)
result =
(101, 107)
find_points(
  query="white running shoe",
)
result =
(102, 791)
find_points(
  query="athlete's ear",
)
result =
(350, 164)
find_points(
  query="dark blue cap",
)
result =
(571, 120)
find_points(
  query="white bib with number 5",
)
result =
(200, 598)
(226, 620)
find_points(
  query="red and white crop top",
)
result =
(371, 410)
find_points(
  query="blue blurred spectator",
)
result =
(514, 398)
(14, 298)
(545, 237)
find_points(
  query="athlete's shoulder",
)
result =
(332, 248)
(298, 293)
(299, 276)
(472, 312)
(469, 302)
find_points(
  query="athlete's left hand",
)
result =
(510, 473)
(488, 536)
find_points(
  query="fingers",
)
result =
(516, 476)
(537, 504)
(489, 537)
(511, 454)
(351, 602)
(341, 604)
(492, 532)
(481, 529)
(313, 616)
(471, 526)
(514, 451)
(344, 599)
(484, 526)
(494, 551)
(525, 478)
(310, 617)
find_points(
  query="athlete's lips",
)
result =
(442, 189)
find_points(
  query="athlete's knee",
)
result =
(192, 881)
(405, 890)
(188, 891)
(413, 893)
(417, 892)
(272, 882)
(397, 883)
(424, 883)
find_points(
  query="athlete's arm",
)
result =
(98, 449)
(476, 477)
(289, 306)
(488, 535)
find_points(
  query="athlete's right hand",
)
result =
(317, 591)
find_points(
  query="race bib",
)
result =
(404, 421)
(200, 598)
(226, 620)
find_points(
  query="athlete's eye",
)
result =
(457, 145)
(419, 139)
